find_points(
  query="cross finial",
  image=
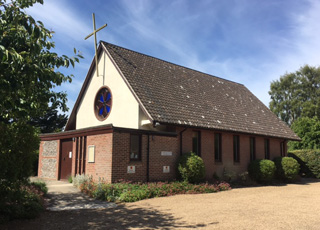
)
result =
(95, 40)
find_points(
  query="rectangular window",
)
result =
(196, 142)
(252, 148)
(236, 148)
(282, 149)
(217, 148)
(266, 149)
(135, 147)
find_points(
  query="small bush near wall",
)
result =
(287, 168)
(309, 161)
(131, 192)
(262, 171)
(22, 201)
(191, 168)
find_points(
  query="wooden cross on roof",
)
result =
(95, 39)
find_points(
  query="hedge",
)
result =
(309, 161)
(287, 168)
(262, 171)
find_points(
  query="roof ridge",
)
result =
(209, 75)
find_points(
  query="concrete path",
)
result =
(63, 195)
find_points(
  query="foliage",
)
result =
(191, 168)
(308, 129)
(262, 171)
(25, 200)
(131, 192)
(229, 175)
(80, 179)
(70, 179)
(287, 168)
(41, 186)
(51, 121)
(29, 73)
(309, 161)
(296, 94)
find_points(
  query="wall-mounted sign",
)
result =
(70, 154)
(131, 169)
(166, 169)
(91, 150)
(166, 153)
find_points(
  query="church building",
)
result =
(140, 114)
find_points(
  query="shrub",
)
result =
(70, 179)
(41, 186)
(191, 168)
(309, 161)
(262, 171)
(131, 192)
(287, 168)
(80, 179)
(23, 201)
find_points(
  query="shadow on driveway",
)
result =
(120, 217)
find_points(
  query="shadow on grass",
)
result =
(120, 217)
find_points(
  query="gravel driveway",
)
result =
(294, 206)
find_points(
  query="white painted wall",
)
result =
(125, 108)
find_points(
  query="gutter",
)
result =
(148, 156)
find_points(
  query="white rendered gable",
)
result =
(125, 108)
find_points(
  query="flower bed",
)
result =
(131, 192)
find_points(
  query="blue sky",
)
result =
(247, 41)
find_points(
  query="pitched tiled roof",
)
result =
(174, 94)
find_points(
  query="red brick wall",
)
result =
(121, 158)
(112, 155)
(227, 164)
(157, 161)
(101, 168)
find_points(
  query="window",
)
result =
(236, 148)
(135, 147)
(282, 152)
(103, 103)
(266, 149)
(196, 142)
(217, 147)
(252, 148)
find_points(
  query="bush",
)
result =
(22, 201)
(309, 161)
(41, 186)
(287, 168)
(131, 192)
(191, 168)
(262, 171)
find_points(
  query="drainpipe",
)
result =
(181, 141)
(148, 154)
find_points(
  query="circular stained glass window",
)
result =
(103, 103)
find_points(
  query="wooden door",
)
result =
(65, 159)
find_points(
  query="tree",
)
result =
(296, 94)
(28, 77)
(308, 129)
(51, 121)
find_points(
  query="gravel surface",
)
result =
(294, 206)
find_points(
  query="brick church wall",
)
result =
(157, 144)
(227, 164)
(100, 169)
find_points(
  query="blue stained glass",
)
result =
(108, 96)
(101, 98)
(101, 111)
(108, 109)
